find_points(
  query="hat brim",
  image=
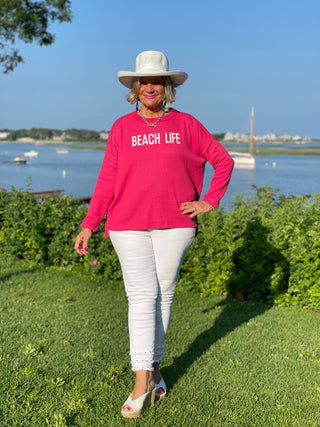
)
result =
(127, 77)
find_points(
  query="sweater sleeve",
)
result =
(212, 151)
(104, 190)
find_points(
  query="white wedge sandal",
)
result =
(134, 408)
(161, 389)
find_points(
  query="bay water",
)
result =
(76, 172)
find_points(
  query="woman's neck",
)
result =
(151, 113)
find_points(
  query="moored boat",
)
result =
(242, 160)
(62, 151)
(245, 160)
(20, 160)
(31, 153)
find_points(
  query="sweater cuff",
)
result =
(87, 224)
(213, 202)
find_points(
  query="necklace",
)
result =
(154, 123)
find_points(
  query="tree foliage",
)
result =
(48, 134)
(219, 136)
(28, 21)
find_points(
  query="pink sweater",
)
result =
(147, 172)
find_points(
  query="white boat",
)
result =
(242, 160)
(31, 153)
(19, 160)
(245, 160)
(62, 151)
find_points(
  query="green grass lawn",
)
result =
(64, 357)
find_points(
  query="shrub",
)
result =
(266, 248)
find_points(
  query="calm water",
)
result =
(291, 174)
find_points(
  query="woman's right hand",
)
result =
(82, 240)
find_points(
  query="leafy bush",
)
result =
(44, 232)
(266, 248)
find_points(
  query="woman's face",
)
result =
(151, 92)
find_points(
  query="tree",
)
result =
(29, 22)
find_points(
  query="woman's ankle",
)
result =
(143, 383)
(156, 372)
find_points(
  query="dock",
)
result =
(42, 194)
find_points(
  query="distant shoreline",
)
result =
(297, 149)
(49, 142)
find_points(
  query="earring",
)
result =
(165, 106)
(137, 105)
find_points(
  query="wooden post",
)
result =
(251, 138)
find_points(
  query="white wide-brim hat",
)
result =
(152, 63)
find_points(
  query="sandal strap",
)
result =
(161, 384)
(137, 405)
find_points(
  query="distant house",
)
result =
(244, 137)
(25, 139)
(231, 136)
(62, 137)
(270, 137)
(4, 135)
(104, 135)
(284, 137)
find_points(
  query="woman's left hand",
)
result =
(195, 208)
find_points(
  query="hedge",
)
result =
(266, 248)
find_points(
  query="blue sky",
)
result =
(238, 54)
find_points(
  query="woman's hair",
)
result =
(169, 90)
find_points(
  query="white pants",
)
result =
(150, 262)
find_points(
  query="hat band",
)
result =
(151, 70)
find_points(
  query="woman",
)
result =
(149, 188)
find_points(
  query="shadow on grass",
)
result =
(14, 273)
(260, 273)
(233, 315)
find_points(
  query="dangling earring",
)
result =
(137, 105)
(165, 106)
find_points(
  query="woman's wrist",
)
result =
(212, 208)
(86, 230)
